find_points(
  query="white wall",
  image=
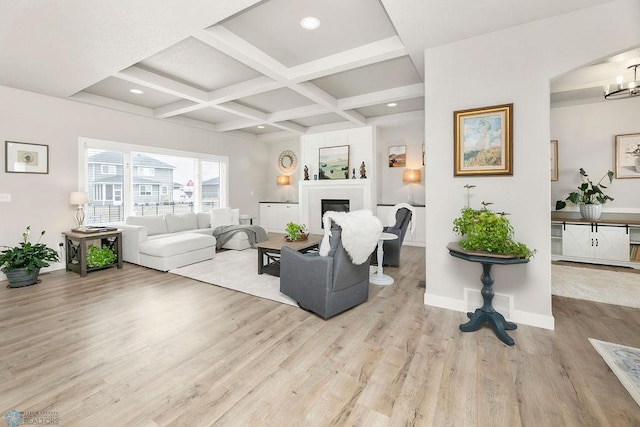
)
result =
(586, 138)
(390, 188)
(510, 66)
(42, 200)
(275, 192)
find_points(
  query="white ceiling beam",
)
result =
(398, 118)
(114, 104)
(187, 121)
(237, 124)
(239, 49)
(316, 94)
(297, 113)
(291, 127)
(242, 111)
(382, 97)
(378, 51)
(175, 108)
(244, 89)
(163, 84)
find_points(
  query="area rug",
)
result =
(237, 270)
(624, 362)
(599, 285)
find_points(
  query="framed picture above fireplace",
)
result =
(334, 162)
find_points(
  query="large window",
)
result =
(123, 180)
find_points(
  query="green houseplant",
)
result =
(21, 264)
(296, 232)
(100, 257)
(484, 230)
(589, 196)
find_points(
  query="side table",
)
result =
(75, 244)
(378, 278)
(486, 313)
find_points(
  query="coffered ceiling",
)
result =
(247, 66)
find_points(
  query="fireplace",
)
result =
(336, 205)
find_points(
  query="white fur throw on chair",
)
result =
(360, 233)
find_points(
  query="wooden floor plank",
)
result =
(144, 348)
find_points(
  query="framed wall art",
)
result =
(554, 160)
(483, 143)
(628, 155)
(334, 162)
(22, 157)
(398, 156)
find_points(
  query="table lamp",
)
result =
(79, 198)
(283, 180)
(411, 176)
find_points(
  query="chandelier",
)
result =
(620, 90)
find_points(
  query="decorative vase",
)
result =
(590, 210)
(19, 277)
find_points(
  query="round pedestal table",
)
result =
(378, 278)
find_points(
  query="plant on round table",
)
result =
(27, 255)
(484, 230)
(296, 231)
(587, 193)
(99, 257)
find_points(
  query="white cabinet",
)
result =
(419, 224)
(596, 242)
(275, 216)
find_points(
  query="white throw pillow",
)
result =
(221, 216)
(181, 222)
(204, 219)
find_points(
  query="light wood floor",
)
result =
(137, 347)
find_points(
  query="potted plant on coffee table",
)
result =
(589, 196)
(296, 232)
(21, 264)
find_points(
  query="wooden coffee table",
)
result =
(269, 251)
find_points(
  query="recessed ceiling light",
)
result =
(260, 127)
(310, 23)
(136, 91)
(392, 104)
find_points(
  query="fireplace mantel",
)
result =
(359, 192)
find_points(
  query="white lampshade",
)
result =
(282, 180)
(411, 176)
(78, 198)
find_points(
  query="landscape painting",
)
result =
(334, 162)
(482, 141)
(398, 156)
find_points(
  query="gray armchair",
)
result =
(392, 248)
(325, 285)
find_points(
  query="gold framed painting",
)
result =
(22, 157)
(483, 141)
(554, 160)
(628, 156)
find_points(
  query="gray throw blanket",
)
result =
(224, 233)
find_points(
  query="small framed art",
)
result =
(483, 143)
(22, 157)
(398, 156)
(628, 156)
(334, 162)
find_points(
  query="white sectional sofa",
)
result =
(175, 240)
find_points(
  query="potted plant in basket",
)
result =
(589, 196)
(296, 232)
(21, 264)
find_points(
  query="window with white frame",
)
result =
(149, 181)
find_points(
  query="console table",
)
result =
(486, 313)
(76, 249)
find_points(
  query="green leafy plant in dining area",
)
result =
(27, 255)
(484, 230)
(100, 257)
(296, 231)
(587, 193)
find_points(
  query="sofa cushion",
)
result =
(204, 219)
(176, 244)
(224, 216)
(181, 222)
(155, 223)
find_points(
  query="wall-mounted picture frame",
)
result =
(554, 160)
(483, 141)
(628, 156)
(398, 156)
(23, 157)
(334, 162)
